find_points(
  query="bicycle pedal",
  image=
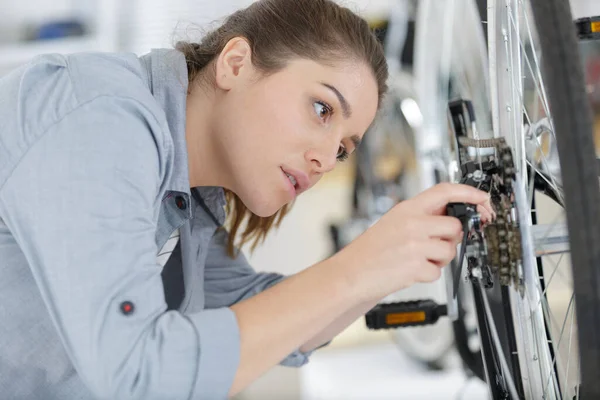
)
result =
(405, 314)
(588, 28)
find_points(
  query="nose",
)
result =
(322, 160)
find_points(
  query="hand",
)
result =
(411, 242)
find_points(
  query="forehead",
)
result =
(348, 75)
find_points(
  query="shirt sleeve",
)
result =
(82, 204)
(228, 281)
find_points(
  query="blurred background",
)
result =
(359, 364)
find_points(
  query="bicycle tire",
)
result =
(565, 84)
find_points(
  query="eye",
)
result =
(342, 154)
(322, 109)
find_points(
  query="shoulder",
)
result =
(108, 74)
(52, 85)
(64, 84)
(104, 88)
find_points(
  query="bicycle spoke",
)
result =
(531, 189)
(544, 161)
(550, 226)
(558, 192)
(541, 347)
(551, 320)
(557, 350)
(539, 83)
(548, 314)
(569, 350)
(556, 263)
(492, 328)
(547, 284)
(543, 156)
(565, 278)
(517, 128)
(539, 87)
(538, 345)
(559, 340)
(522, 50)
(533, 74)
(552, 184)
(528, 365)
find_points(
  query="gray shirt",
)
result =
(93, 181)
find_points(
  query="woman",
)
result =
(116, 282)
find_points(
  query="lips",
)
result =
(302, 181)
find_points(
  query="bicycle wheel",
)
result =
(538, 105)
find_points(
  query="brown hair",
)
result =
(277, 31)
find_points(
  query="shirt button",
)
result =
(180, 203)
(126, 307)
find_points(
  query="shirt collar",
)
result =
(167, 76)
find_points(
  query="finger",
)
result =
(489, 207)
(429, 272)
(435, 200)
(439, 252)
(455, 241)
(441, 227)
(485, 213)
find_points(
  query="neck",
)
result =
(204, 160)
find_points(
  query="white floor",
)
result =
(372, 372)
(379, 372)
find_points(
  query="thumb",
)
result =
(434, 200)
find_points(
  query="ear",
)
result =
(234, 63)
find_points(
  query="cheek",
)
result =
(280, 119)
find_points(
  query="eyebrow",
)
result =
(347, 111)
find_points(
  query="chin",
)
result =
(258, 205)
(263, 198)
(264, 210)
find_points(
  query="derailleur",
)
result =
(473, 246)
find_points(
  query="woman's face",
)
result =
(279, 134)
